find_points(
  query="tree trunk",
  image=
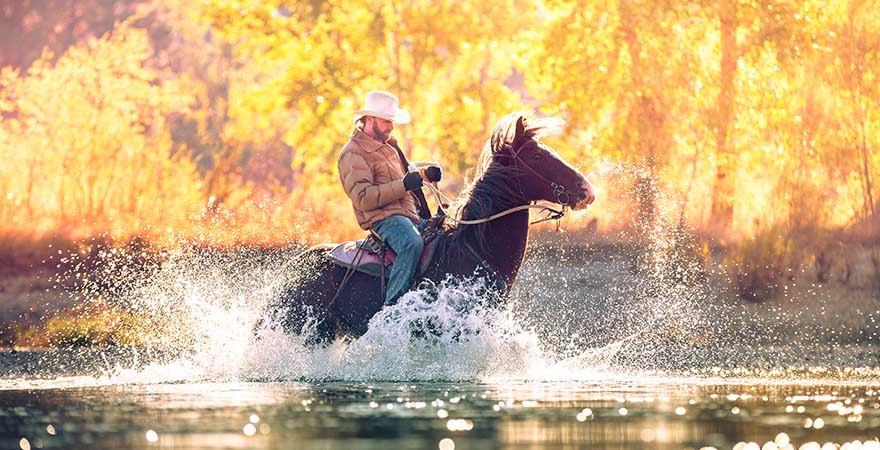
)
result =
(866, 174)
(725, 169)
(648, 120)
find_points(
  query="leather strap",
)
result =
(421, 201)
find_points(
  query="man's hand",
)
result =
(412, 181)
(433, 173)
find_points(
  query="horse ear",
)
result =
(520, 128)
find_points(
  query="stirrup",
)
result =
(373, 243)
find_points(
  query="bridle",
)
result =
(562, 197)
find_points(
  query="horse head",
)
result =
(540, 173)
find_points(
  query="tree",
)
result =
(723, 192)
(857, 50)
(55, 25)
(438, 57)
(90, 133)
(617, 71)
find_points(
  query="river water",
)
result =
(596, 349)
(629, 411)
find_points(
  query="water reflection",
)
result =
(611, 414)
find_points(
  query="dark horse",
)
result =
(515, 169)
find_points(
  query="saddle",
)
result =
(367, 255)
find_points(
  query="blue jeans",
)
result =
(403, 236)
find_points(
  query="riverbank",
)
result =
(59, 293)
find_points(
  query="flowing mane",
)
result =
(491, 190)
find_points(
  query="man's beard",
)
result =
(379, 134)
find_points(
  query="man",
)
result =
(375, 175)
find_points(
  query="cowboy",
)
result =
(383, 189)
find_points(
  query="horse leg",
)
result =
(356, 303)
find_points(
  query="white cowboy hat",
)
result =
(383, 105)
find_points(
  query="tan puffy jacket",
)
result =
(372, 176)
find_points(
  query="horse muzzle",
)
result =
(586, 197)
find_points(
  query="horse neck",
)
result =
(506, 243)
(505, 239)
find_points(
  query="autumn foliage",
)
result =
(222, 119)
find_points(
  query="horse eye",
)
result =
(537, 156)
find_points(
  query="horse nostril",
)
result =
(587, 191)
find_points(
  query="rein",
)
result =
(562, 197)
(554, 214)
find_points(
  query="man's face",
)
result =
(379, 128)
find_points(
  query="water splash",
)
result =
(442, 332)
(202, 307)
(582, 309)
(655, 291)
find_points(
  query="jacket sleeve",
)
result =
(357, 180)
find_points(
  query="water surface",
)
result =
(647, 411)
(593, 350)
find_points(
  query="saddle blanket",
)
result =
(359, 256)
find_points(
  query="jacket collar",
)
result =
(364, 141)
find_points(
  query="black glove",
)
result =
(433, 173)
(412, 181)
